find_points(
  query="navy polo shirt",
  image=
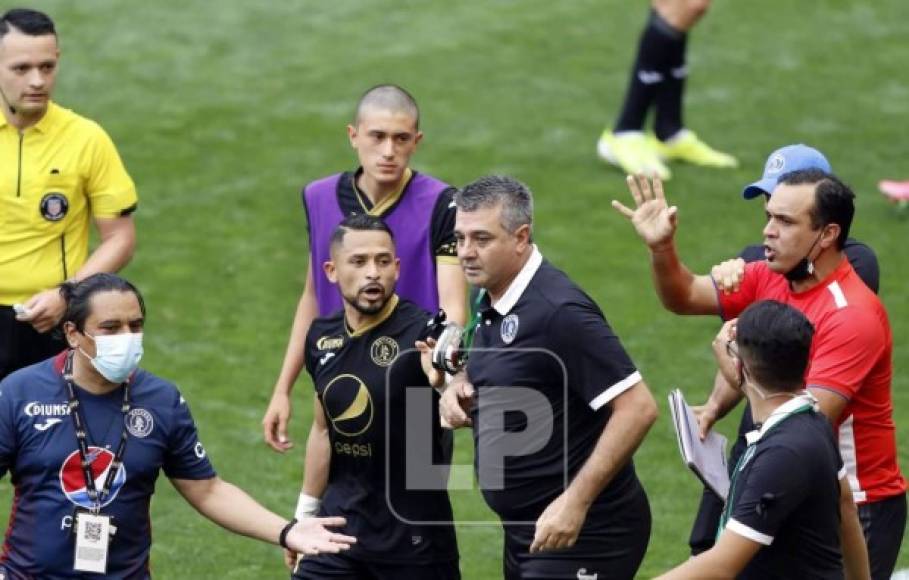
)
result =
(785, 496)
(547, 343)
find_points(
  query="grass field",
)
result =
(223, 110)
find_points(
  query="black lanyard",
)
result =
(75, 412)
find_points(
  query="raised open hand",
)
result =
(653, 219)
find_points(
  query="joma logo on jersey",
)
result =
(38, 409)
(330, 342)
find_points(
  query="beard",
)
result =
(367, 305)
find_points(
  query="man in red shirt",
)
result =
(850, 369)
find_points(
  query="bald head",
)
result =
(388, 98)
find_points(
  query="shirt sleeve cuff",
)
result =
(840, 390)
(719, 300)
(741, 529)
(615, 390)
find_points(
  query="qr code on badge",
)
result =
(93, 531)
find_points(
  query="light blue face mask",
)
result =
(116, 355)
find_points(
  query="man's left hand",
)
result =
(311, 536)
(45, 309)
(559, 525)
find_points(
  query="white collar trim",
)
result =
(504, 305)
(781, 413)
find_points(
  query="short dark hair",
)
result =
(774, 341)
(489, 191)
(362, 222)
(834, 201)
(388, 97)
(26, 21)
(78, 296)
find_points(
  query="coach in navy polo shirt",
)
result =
(558, 407)
(789, 514)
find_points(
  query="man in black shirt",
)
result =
(728, 275)
(559, 406)
(362, 363)
(789, 513)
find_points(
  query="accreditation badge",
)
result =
(92, 542)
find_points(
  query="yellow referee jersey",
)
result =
(54, 177)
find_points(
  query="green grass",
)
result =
(222, 111)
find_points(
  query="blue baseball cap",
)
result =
(782, 161)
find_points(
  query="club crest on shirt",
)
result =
(384, 351)
(139, 423)
(509, 328)
(54, 206)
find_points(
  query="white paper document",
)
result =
(707, 458)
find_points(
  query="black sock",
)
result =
(668, 101)
(660, 46)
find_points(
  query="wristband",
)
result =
(307, 506)
(282, 537)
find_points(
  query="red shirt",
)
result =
(851, 355)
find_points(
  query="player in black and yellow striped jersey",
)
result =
(58, 173)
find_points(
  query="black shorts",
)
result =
(883, 523)
(21, 345)
(343, 567)
(611, 552)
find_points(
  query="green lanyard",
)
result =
(740, 464)
(471, 328)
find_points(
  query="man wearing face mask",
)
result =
(783, 518)
(850, 369)
(85, 434)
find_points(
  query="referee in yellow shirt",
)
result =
(58, 172)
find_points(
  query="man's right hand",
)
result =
(455, 403)
(44, 310)
(653, 219)
(728, 275)
(274, 423)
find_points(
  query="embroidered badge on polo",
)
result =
(509, 328)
